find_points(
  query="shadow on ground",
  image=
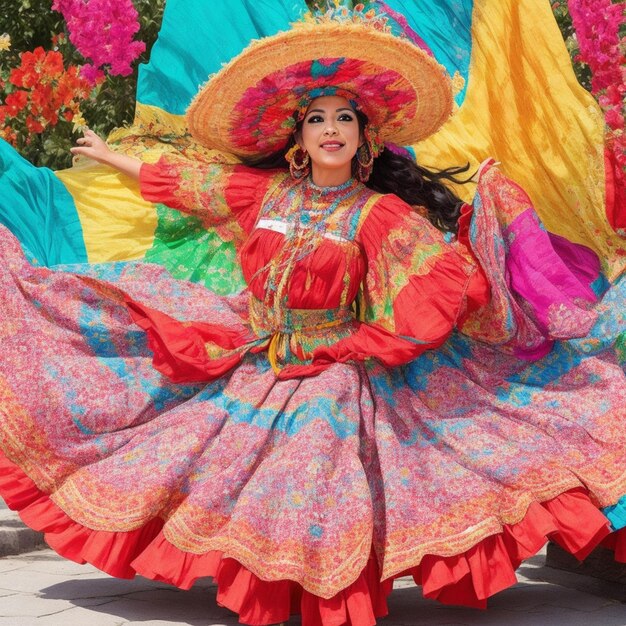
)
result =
(96, 598)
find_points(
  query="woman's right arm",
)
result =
(214, 192)
(93, 147)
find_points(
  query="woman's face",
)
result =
(330, 134)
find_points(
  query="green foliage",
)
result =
(32, 23)
(564, 20)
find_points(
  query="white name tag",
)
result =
(279, 226)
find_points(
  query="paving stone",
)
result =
(63, 567)
(404, 582)
(404, 611)
(99, 586)
(17, 605)
(530, 597)
(576, 581)
(20, 621)
(80, 617)
(160, 622)
(56, 596)
(27, 580)
(174, 610)
(599, 564)
(8, 564)
(15, 536)
(19, 540)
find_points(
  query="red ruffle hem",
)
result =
(467, 579)
(616, 541)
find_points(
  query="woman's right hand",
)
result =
(94, 147)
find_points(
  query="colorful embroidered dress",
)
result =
(344, 433)
(309, 253)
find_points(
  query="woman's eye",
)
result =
(316, 119)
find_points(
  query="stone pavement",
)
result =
(41, 589)
(16, 538)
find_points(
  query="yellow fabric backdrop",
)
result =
(525, 108)
(117, 223)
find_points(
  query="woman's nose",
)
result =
(330, 129)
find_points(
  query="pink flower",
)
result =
(92, 74)
(103, 32)
(614, 119)
(597, 24)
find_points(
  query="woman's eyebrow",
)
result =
(337, 111)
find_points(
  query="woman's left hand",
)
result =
(489, 161)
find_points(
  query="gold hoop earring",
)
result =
(365, 162)
(298, 160)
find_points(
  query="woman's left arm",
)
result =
(541, 284)
(416, 290)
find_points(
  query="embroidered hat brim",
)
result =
(248, 107)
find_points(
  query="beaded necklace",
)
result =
(307, 209)
(319, 203)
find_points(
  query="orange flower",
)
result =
(49, 93)
(50, 113)
(33, 125)
(41, 94)
(16, 102)
(65, 90)
(37, 66)
(8, 134)
(51, 116)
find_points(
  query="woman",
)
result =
(310, 468)
(328, 137)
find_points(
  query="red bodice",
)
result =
(327, 251)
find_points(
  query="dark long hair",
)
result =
(400, 175)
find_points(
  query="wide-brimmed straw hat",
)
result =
(251, 106)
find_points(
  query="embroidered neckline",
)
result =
(319, 203)
(351, 183)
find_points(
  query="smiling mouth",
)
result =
(332, 145)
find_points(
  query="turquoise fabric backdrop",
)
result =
(446, 27)
(198, 36)
(37, 208)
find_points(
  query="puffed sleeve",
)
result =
(541, 284)
(416, 290)
(213, 192)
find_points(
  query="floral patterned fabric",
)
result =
(309, 249)
(467, 405)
